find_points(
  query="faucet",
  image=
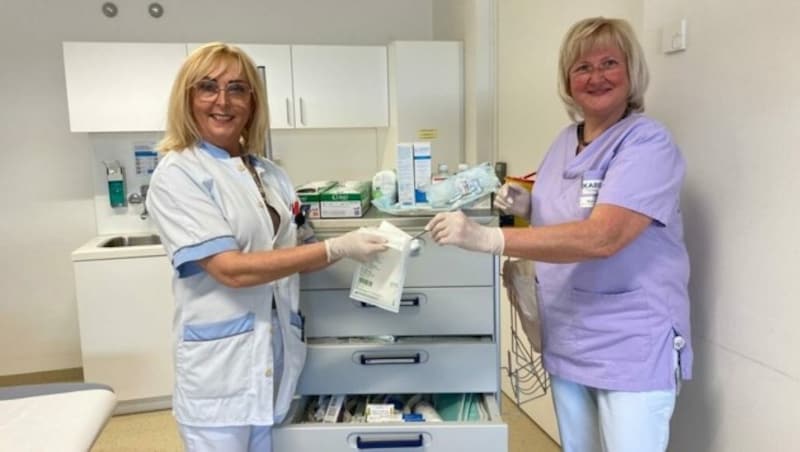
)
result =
(139, 198)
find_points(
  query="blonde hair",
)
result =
(182, 131)
(600, 31)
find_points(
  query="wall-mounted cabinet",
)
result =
(115, 87)
(119, 87)
(340, 86)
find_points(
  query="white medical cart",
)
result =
(445, 339)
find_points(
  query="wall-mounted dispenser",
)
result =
(115, 175)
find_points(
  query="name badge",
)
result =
(590, 186)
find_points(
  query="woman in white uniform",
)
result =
(226, 218)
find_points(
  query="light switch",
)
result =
(673, 36)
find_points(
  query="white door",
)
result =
(340, 86)
(119, 87)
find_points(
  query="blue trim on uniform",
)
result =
(185, 259)
(296, 319)
(215, 151)
(219, 330)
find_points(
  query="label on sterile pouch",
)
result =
(379, 281)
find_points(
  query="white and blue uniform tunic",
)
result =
(232, 364)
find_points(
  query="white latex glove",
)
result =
(357, 245)
(515, 200)
(454, 228)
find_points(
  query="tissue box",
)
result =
(309, 195)
(348, 199)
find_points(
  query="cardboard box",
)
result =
(405, 174)
(309, 195)
(422, 171)
(348, 199)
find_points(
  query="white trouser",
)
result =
(246, 438)
(597, 420)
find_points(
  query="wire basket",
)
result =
(526, 373)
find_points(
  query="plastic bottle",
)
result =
(384, 188)
(442, 174)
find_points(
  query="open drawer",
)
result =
(409, 365)
(487, 435)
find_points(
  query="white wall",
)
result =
(46, 185)
(732, 102)
(473, 23)
(530, 113)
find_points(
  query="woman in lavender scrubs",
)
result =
(607, 238)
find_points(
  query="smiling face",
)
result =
(599, 83)
(222, 115)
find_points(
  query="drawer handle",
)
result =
(389, 443)
(409, 302)
(376, 360)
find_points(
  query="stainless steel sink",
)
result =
(131, 240)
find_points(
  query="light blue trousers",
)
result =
(597, 420)
(246, 438)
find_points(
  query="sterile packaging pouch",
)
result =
(380, 281)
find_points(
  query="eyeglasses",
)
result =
(208, 90)
(585, 70)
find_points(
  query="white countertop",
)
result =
(92, 250)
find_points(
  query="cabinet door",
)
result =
(340, 86)
(119, 87)
(277, 63)
(125, 312)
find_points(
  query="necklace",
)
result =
(273, 214)
(582, 142)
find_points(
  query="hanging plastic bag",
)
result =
(519, 281)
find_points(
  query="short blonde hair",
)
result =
(182, 131)
(600, 31)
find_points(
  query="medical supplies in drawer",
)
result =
(400, 365)
(469, 423)
(434, 266)
(424, 311)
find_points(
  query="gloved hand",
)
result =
(515, 200)
(358, 245)
(454, 228)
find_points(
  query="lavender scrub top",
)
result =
(615, 323)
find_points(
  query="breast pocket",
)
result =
(215, 360)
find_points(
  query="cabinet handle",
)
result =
(302, 113)
(389, 443)
(378, 360)
(409, 301)
(288, 114)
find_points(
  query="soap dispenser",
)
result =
(115, 176)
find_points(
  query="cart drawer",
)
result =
(446, 365)
(435, 266)
(490, 435)
(428, 311)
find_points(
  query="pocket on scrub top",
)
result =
(612, 326)
(215, 360)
